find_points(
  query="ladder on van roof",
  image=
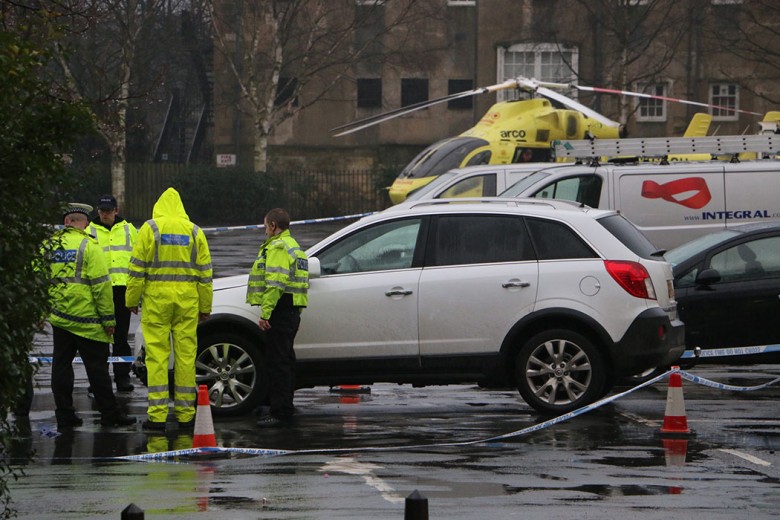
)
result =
(664, 146)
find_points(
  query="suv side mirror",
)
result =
(314, 267)
(708, 277)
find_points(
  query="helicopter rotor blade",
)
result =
(664, 98)
(360, 124)
(567, 101)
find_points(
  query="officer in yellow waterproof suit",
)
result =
(82, 319)
(170, 273)
(116, 236)
(279, 284)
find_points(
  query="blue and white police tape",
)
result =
(47, 360)
(269, 452)
(174, 454)
(293, 223)
(721, 386)
(261, 226)
(525, 431)
(727, 352)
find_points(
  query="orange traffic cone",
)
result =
(203, 436)
(675, 422)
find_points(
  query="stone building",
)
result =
(718, 52)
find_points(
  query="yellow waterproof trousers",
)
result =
(171, 322)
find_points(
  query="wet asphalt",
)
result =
(361, 454)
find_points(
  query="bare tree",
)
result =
(98, 56)
(634, 44)
(286, 55)
(750, 31)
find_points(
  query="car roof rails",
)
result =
(503, 201)
(593, 149)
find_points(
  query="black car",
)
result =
(727, 287)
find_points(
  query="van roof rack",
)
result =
(663, 146)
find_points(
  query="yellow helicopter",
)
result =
(510, 131)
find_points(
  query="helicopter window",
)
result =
(525, 154)
(477, 186)
(572, 125)
(386, 246)
(585, 189)
(442, 156)
(482, 157)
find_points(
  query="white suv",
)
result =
(555, 299)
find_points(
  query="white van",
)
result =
(669, 203)
(486, 180)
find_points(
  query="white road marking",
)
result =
(351, 466)
(746, 456)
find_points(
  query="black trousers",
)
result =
(280, 360)
(95, 357)
(121, 347)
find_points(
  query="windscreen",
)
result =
(441, 157)
(694, 247)
(423, 190)
(520, 186)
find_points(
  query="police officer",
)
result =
(279, 284)
(82, 319)
(116, 236)
(170, 268)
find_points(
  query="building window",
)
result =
(650, 109)
(541, 61)
(285, 90)
(413, 90)
(369, 93)
(724, 96)
(460, 85)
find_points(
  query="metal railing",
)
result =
(243, 198)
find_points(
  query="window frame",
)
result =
(538, 50)
(662, 103)
(732, 115)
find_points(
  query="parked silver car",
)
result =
(552, 298)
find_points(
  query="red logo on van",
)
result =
(667, 191)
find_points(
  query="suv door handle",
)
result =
(398, 291)
(515, 283)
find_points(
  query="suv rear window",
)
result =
(556, 241)
(629, 235)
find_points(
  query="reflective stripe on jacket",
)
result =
(281, 267)
(80, 294)
(170, 257)
(117, 243)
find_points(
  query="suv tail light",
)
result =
(633, 277)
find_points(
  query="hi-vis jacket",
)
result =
(171, 256)
(80, 292)
(117, 242)
(281, 267)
